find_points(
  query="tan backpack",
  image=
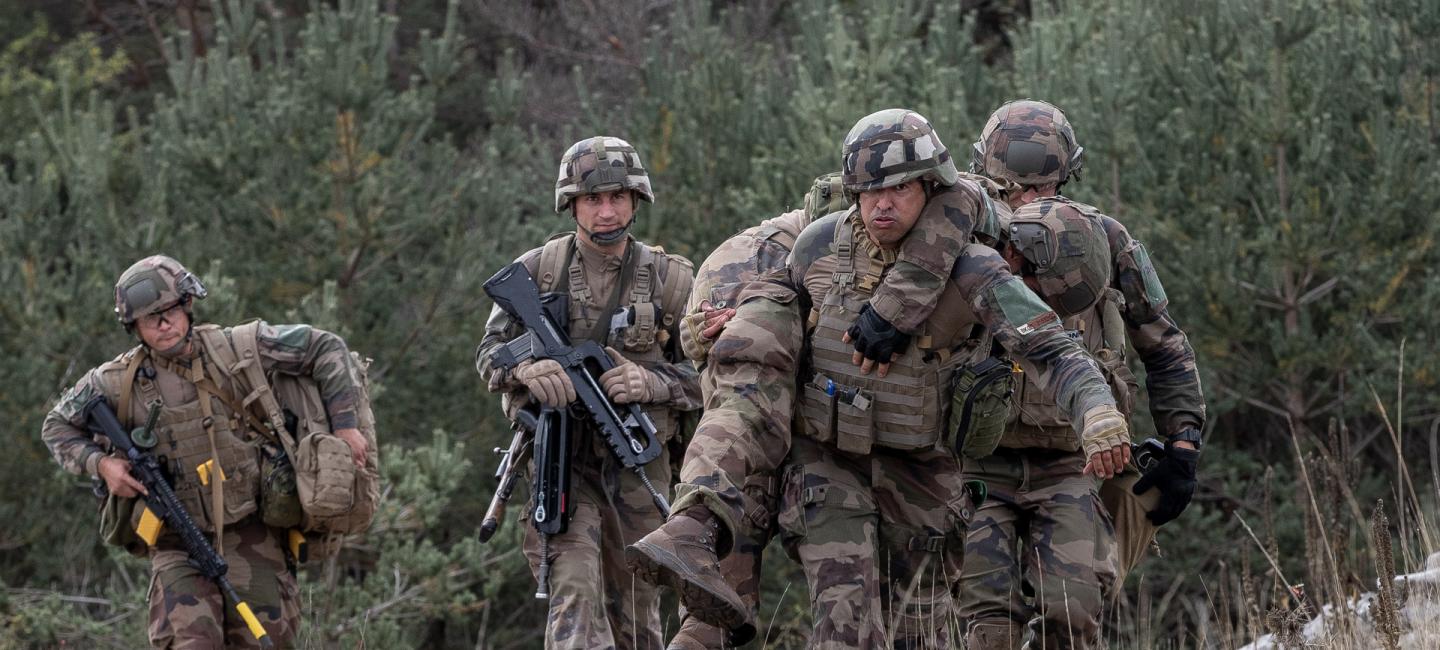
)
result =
(337, 497)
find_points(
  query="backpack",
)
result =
(336, 497)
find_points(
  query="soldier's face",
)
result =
(163, 330)
(889, 213)
(604, 212)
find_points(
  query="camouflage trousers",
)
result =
(726, 451)
(741, 567)
(879, 537)
(186, 608)
(595, 601)
(1041, 546)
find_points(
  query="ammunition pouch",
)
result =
(982, 398)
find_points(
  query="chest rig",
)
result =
(638, 315)
(906, 409)
(202, 432)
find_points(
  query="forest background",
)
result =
(365, 166)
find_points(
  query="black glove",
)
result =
(875, 338)
(1175, 476)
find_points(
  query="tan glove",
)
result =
(699, 330)
(1106, 439)
(547, 382)
(628, 383)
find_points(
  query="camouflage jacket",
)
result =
(1172, 380)
(290, 349)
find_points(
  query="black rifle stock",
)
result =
(162, 502)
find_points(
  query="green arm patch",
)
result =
(1154, 293)
(1021, 307)
(292, 336)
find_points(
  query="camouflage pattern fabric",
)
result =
(1172, 380)
(893, 146)
(291, 349)
(600, 164)
(1027, 142)
(981, 291)
(1039, 500)
(186, 608)
(880, 538)
(832, 500)
(1068, 253)
(595, 601)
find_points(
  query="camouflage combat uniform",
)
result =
(1045, 522)
(595, 601)
(872, 501)
(749, 384)
(185, 607)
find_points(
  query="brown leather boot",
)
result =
(684, 554)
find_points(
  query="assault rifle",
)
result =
(506, 473)
(161, 505)
(625, 428)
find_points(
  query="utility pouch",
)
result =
(279, 493)
(982, 397)
(326, 478)
(117, 525)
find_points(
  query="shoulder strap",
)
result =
(676, 292)
(844, 274)
(554, 262)
(600, 332)
(127, 385)
(238, 356)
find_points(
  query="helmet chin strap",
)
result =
(606, 238)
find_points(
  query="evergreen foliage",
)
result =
(1279, 159)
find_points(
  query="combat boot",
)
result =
(696, 634)
(684, 554)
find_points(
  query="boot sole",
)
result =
(659, 567)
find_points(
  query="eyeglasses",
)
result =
(168, 315)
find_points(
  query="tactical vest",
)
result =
(649, 311)
(908, 408)
(1037, 421)
(192, 433)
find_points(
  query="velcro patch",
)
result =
(1038, 322)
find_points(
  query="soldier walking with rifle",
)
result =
(189, 488)
(584, 344)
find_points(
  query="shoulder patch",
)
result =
(1021, 307)
(290, 336)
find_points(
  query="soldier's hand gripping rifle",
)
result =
(626, 428)
(161, 504)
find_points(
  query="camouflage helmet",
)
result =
(891, 147)
(153, 285)
(1027, 142)
(600, 164)
(1065, 251)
